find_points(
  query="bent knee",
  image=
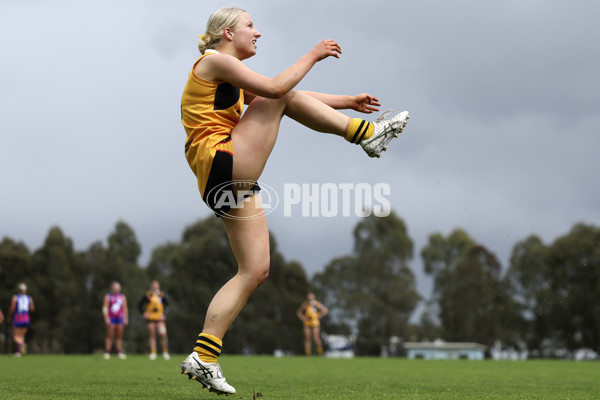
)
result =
(289, 96)
(258, 274)
(262, 273)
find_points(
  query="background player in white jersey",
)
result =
(21, 307)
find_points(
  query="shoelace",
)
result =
(382, 116)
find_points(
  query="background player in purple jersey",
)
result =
(20, 308)
(116, 316)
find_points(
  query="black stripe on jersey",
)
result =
(226, 96)
(207, 340)
(358, 131)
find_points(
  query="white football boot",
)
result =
(384, 132)
(209, 375)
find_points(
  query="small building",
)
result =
(339, 346)
(440, 350)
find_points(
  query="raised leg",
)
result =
(255, 135)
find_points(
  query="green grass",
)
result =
(297, 378)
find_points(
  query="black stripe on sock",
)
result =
(209, 341)
(363, 134)
(208, 348)
(357, 131)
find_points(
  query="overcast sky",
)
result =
(503, 139)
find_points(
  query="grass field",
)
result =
(297, 378)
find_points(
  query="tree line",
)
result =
(547, 298)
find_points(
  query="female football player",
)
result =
(116, 318)
(310, 313)
(227, 151)
(21, 307)
(154, 306)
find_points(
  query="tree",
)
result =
(95, 284)
(467, 288)
(428, 328)
(14, 268)
(528, 280)
(558, 289)
(59, 292)
(574, 264)
(374, 287)
(123, 245)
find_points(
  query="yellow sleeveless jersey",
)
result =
(154, 307)
(209, 111)
(312, 316)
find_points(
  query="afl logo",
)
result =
(227, 197)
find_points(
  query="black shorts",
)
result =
(221, 191)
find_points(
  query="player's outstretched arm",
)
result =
(224, 67)
(363, 102)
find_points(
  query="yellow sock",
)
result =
(208, 347)
(359, 129)
(320, 350)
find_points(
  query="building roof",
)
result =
(440, 345)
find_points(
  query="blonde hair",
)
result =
(218, 21)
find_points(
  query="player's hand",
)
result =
(365, 103)
(327, 48)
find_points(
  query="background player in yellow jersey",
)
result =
(155, 306)
(228, 150)
(310, 313)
